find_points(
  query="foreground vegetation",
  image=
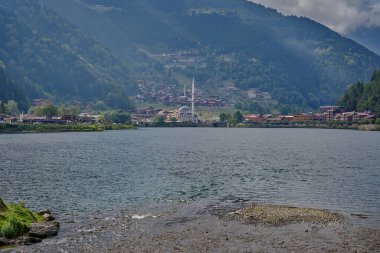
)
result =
(15, 219)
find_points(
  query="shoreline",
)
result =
(205, 227)
(52, 128)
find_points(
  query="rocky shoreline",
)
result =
(205, 227)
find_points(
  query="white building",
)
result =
(184, 114)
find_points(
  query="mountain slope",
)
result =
(51, 58)
(10, 90)
(229, 42)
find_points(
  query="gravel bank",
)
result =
(217, 227)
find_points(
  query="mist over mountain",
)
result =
(96, 48)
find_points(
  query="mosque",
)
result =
(185, 114)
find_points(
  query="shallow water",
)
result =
(78, 172)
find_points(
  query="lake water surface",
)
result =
(333, 169)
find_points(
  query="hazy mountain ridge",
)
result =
(298, 60)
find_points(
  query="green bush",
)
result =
(15, 219)
(12, 227)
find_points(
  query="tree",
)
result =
(223, 117)
(119, 99)
(159, 119)
(69, 110)
(118, 117)
(360, 97)
(351, 98)
(2, 107)
(238, 117)
(173, 119)
(12, 108)
(100, 106)
(49, 111)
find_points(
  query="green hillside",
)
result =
(363, 97)
(228, 42)
(51, 58)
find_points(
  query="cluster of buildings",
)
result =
(257, 94)
(149, 114)
(170, 95)
(179, 60)
(183, 114)
(4, 118)
(335, 113)
(268, 118)
(83, 118)
(326, 114)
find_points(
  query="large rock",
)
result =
(43, 212)
(44, 229)
(4, 242)
(27, 240)
(46, 214)
(48, 217)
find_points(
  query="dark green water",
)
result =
(333, 169)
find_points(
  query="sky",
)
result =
(342, 16)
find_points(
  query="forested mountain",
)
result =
(228, 42)
(361, 97)
(92, 50)
(49, 57)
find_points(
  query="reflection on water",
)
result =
(332, 169)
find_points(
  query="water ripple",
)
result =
(331, 169)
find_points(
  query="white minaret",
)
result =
(192, 98)
(184, 90)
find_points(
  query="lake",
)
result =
(79, 172)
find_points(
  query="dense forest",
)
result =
(363, 97)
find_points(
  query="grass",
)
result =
(15, 219)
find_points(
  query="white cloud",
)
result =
(343, 16)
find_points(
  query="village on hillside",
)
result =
(187, 114)
(184, 111)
